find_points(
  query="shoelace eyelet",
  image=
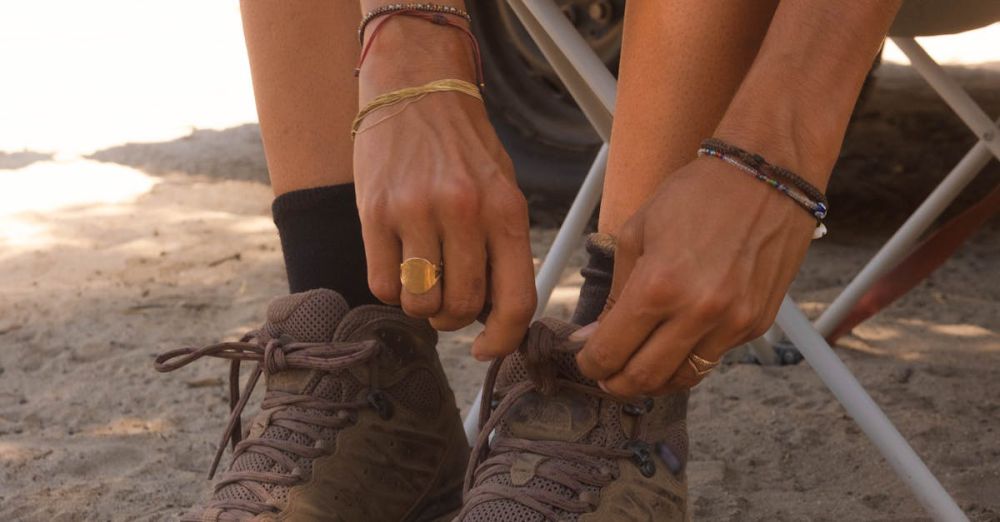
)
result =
(380, 403)
(642, 457)
(636, 410)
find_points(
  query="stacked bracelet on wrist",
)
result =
(783, 180)
(393, 8)
(438, 14)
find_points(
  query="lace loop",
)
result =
(568, 464)
(273, 356)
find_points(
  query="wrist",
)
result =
(785, 131)
(410, 51)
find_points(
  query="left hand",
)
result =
(700, 269)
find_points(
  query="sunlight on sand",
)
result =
(12, 452)
(872, 332)
(968, 48)
(961, 330)
(955, 330)
(48, 186)
(131, 426)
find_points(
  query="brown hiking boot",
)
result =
(566, 451)
(358, 422)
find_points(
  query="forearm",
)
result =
(794, 104)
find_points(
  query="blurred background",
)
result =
(135, 217)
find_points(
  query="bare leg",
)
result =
(682, 61)
(302, 56)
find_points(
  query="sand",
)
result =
(140, 248)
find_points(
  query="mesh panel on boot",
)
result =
(306, 317)
(309, 317)
(418, 391)
(340, 386)
(609, 432)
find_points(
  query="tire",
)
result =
(549, 140)
(547, 136)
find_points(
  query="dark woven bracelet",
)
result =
(756, 161)
(773, 176)
(392, 8)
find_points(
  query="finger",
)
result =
(464, 279)
(421, 241)
(685, 378)
(383, 253)
(663, 354)
(512, 290)
(623, 328)
(712, 348)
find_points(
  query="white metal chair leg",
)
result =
(964, 172)
(900, 243)
(867, 415)
(556, 36)
(952, 93)
(588, 80)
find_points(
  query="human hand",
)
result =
(700, 269)
(433, 181)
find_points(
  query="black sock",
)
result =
(596, 279)
(320, 235)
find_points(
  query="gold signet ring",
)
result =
(419, 275)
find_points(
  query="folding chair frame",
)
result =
(593, 87)
(964, 172)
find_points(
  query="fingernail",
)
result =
(476, 351)
(601, 385)
(583, 333)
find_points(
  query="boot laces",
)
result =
(299, 413)
(578, 467)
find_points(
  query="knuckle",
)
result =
(710, 306)
(411, 204)
(759, 329)
(462, 309)
(448, 324)
(373, 208)
(600, 358)
(459, 198)
(743, 318)
(658, 291)
(510, 203)
(644, 379)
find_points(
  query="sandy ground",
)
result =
(111, 256)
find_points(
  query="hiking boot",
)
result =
(357, 424)
(566, 451)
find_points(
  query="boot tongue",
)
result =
(306, 317)
(548, 413)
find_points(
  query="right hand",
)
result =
(433, 181)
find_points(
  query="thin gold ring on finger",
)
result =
(700, 365)
(419, 275)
